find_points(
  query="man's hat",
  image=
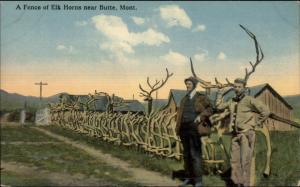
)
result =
(192, 79)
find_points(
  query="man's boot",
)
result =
(198, 182)
(185, 183)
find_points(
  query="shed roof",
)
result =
(99, 104)
(177, 95)
(130, 106)
(159, 103)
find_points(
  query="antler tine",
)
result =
(143, 90)
(194, 74)
(221, 85)
(152, 86)
(162, 82)
(192, 68)
(148, 82)
(228, 82)
(157, 85)
(168, 74)
(204, 84)
(259, 54)
(142, 94)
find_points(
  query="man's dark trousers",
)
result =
(192, 154)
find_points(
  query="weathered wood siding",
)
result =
(277, 107)
(171, 106)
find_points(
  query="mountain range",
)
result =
(13, 101)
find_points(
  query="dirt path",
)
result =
(139, 175)
(29, 143)
(56, 178)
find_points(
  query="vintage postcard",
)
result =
(150, 93)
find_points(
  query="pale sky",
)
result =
(79, 51)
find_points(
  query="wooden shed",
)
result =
(130, 106)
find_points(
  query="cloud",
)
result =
(138, 20)
(81, 23)
(120, 41)
(64, 48)
(61, 47)
(117, 46)
(116, 30)
(149, 37)
(201, 56)
(199, 28)
(175, 58)
(112, 27)
(173, 15)
(222, 56)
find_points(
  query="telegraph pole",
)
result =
(41, 88)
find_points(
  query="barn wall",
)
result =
(275, 105)
(274, 125)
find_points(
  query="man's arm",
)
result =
(207, 109)
(262, 109)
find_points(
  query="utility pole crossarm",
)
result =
(41, 84)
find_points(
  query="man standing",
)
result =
(194, 108)
(243, 122)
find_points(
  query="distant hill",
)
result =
(14, 101)
(294, 101)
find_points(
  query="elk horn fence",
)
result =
(153, 133)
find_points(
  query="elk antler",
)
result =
(154, 87)
(259, 54)
(208, 85)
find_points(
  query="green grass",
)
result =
(57, 157)
(14, 179)
(22, 133)
(285, 167)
